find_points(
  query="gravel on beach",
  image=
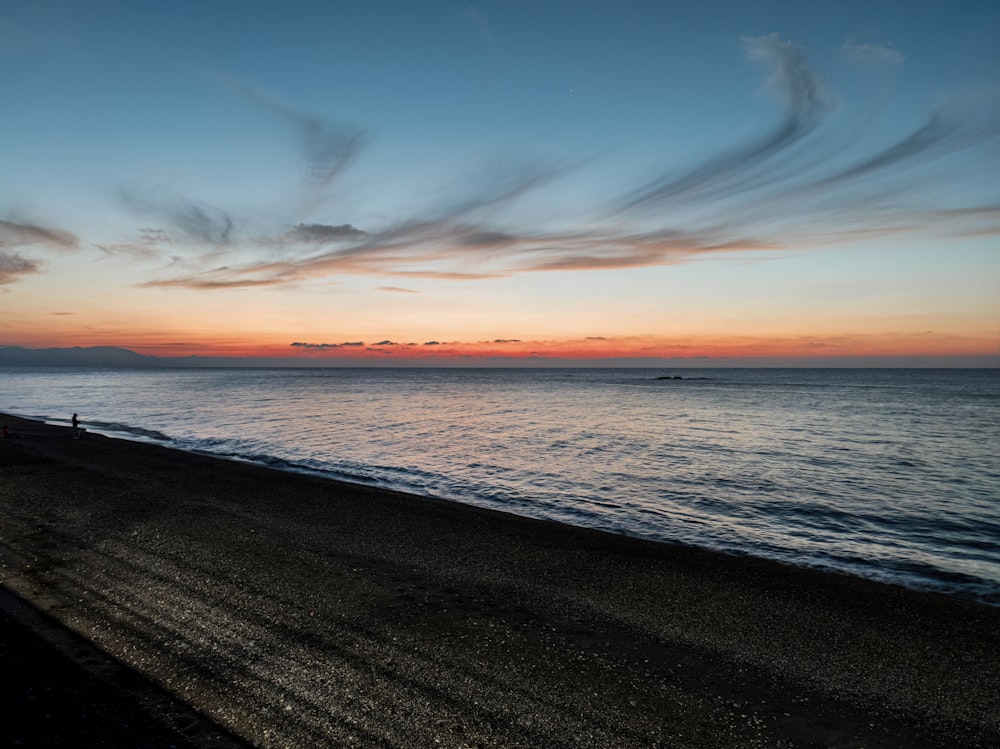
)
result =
(182, 600)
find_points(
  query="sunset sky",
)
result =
(364, 180)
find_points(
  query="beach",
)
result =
(229, 604)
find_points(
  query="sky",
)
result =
(503, 182)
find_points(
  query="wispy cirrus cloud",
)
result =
(20, 233)
(187, 219)
(415, 256)
(328, 147)
(746, 167)
(785, 190)
(137, 251)
(429, 246)
(15, 234)
(871, 52)
(13, 267)
(940, 134)
(217, 279)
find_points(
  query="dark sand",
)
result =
(157, 598)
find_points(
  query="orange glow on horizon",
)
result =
(596, 348)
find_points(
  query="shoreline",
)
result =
(294, 610)
(978, 591)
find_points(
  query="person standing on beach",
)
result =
(76, 427)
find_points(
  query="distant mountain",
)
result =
(95, 356)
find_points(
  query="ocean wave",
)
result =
(293, 466)
(118, 428)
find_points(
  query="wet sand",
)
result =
(215, 603)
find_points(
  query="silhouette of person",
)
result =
(76, 427)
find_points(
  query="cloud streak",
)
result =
(415, 255)
(189, 220)
(19, 234)
(805, 99)
(800, 184)
(328, 147)
(13, 267)
(869, 52)
(16, 234)
(780, 178)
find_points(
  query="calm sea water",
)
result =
(888, 474)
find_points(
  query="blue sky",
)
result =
(469, 171)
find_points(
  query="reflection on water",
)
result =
(893, 474)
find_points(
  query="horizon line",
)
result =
(91, 357)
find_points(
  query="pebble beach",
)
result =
(188, 600)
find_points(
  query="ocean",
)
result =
(889, 474)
